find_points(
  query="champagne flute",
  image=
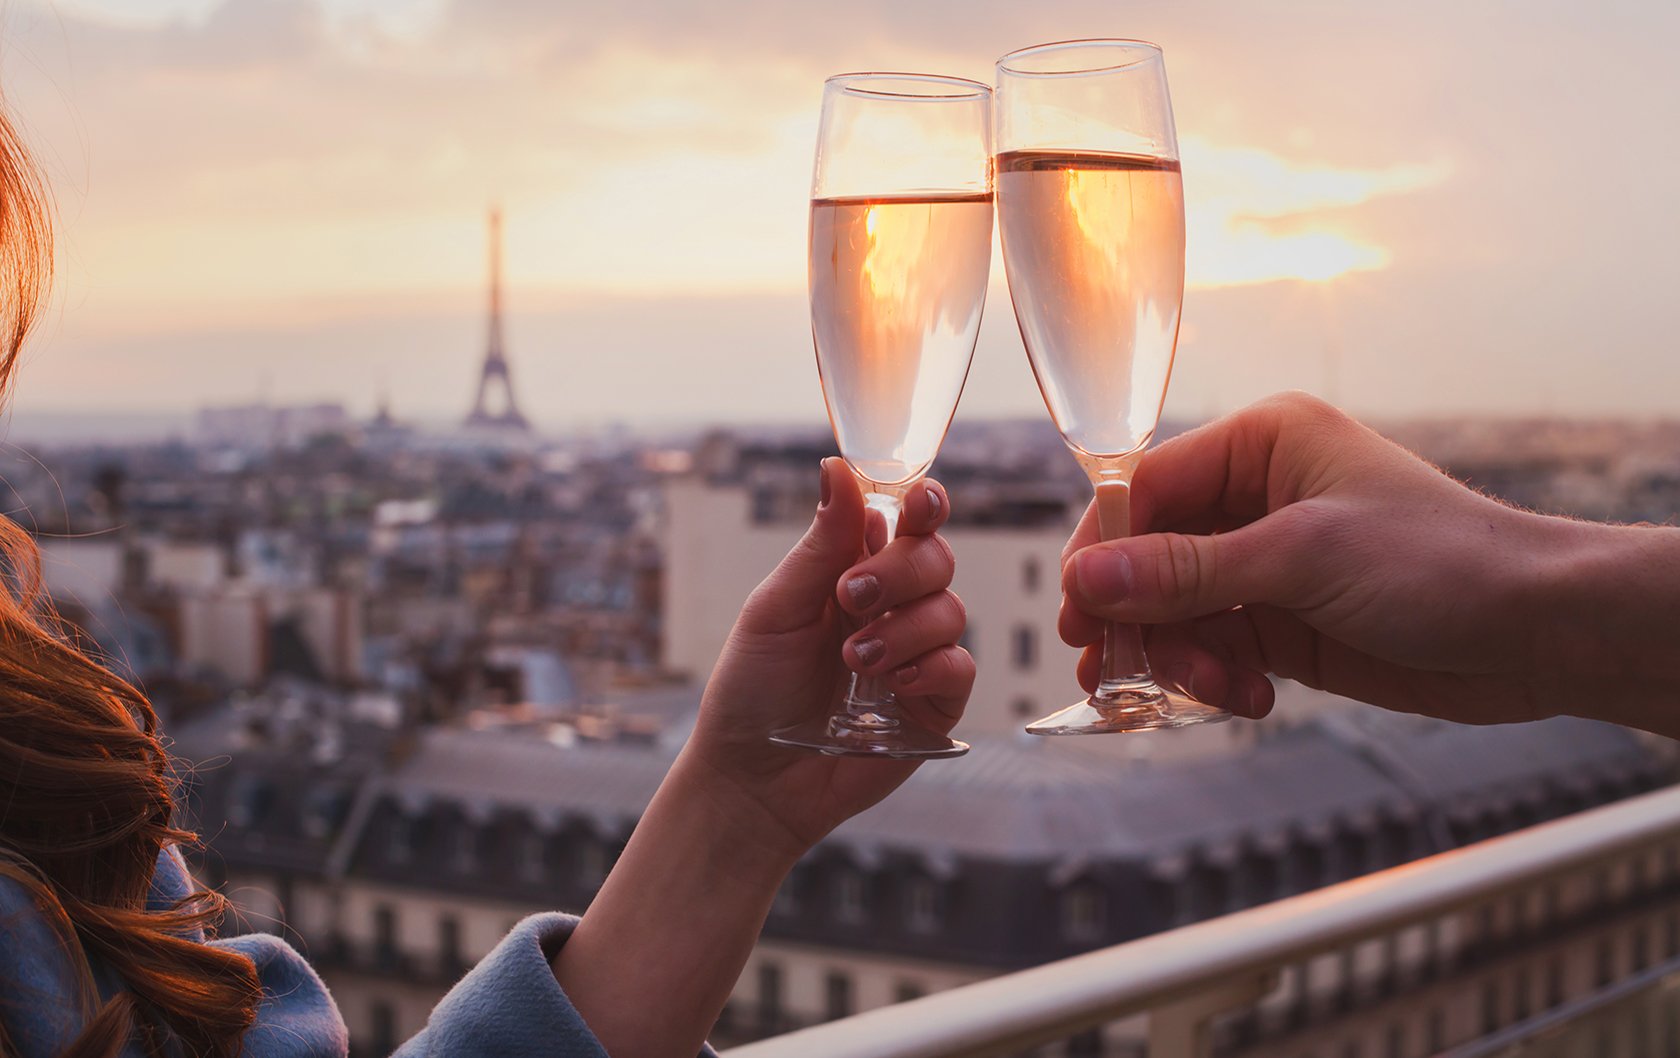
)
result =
(1091, 213)
(901, 246)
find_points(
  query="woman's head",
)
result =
(25, 247)
(86, 803)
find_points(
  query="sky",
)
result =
(1429, 208)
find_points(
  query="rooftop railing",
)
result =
(1184, 979)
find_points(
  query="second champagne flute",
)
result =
(1091, 211)
(901, 246)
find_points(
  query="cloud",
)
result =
(243, 163)
(1253, 216)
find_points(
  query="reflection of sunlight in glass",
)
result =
(1234, 198)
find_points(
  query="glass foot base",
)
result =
(1147, 708)
(868, 736)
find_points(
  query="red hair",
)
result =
(86, 800)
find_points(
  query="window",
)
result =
(849, 896)
(1396, 1041)
(1029, 575)
(1641, 948)
(1210, 889)
(399, 840)
(769, 996)
(1671, 934)
(1554, 984)
(382, 1031)
(1084, 914)
(1258, 882)
(1490, 1007)
(1087, 1044)
(1432, 948)
(1436, 1031)
(1347, 976)
(1485, 926)
(786, 903)
(385, 935)
(449, 946)
(1519, 997)
(1351, 854)
(1024, 708)
(463, 852)
(591, 863)
(1600, 888)
(905, 991)
(529, 855)
(1307, 867)
(248, 802)
(1024, 645)
(1605, 969)
(1396, 842)
(837, 988)
(921, 905)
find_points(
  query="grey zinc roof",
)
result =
(1027, 800)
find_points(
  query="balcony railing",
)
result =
(1186, 978)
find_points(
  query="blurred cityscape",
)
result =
(426, 681)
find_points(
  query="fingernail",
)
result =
(934, 503)
(1103, 574)
(822, 499)
(869, 651)
(864, 590)
(1179, 676)
(907, 674)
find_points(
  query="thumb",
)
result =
(798, 591)
(1165, 577)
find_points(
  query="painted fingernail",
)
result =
(869, 651)
(934, 503)
(864, 589)
(1103, 575)
(906, 674)
(822, 499)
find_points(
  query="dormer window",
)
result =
(528, 855)
(399, 839)
(463, 852)
(849, 903)
(921, 905)
(1084, 912)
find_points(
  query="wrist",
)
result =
(731, 818)
(1604, 619)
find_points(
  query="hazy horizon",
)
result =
(287, 197)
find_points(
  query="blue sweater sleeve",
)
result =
(510, 1005)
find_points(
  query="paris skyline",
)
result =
(284, 198)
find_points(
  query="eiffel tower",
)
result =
(495, 369)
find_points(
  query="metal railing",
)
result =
(1186, 977)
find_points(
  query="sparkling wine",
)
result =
(1093, 245)
(897, 288)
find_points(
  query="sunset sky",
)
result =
(1413, 208)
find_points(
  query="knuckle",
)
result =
(958, 608)
(932, 563)
(1182, 573)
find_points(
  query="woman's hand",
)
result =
(1289, 539)
(828, 607)
(678, 915)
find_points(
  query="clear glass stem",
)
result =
(1124, 665)
(869, 705)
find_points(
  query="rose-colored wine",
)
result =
(1093, 245)
(897, 288)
